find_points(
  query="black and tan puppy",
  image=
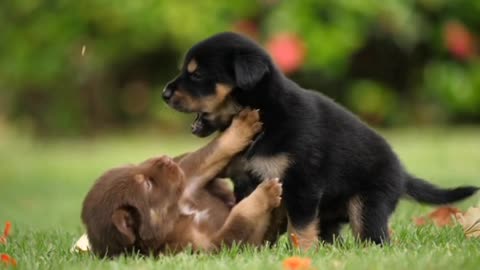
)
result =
(165, 205)
(335, 169)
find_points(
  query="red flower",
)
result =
(7, 260)
(8, 227)
(297, 263)
(458, 40)
(6, 233)
(288, 51)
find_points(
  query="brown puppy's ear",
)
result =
(249, 69)
(123, 221)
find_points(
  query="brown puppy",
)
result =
(161, 205)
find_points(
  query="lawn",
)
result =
(42, 186)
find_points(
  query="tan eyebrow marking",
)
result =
(140, 178)
(192, 66)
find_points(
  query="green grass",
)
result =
(42, 187)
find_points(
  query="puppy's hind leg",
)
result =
(303, 220)
(329, 230)
(249, 219)
(369, 217)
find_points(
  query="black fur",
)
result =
(422, 191)
(335, 155)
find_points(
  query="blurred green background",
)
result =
(76, 68)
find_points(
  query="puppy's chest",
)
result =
(262, 167)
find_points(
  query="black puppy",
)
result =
(335, 168)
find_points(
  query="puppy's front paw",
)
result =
(272, 190)
(243, 128)
(247, 123)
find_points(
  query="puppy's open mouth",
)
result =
(201, 127)
(205, 124)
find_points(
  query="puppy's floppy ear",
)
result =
(249, 69)
(124, 222)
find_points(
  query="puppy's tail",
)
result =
(422, 191)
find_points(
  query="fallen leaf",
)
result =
(294, 240)
(419, 221)
(297, 263)
(470, 221)
(442, 216)
(7, 260)
(82, 244)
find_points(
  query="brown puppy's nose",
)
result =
(167, 93)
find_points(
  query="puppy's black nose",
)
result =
(167, 93)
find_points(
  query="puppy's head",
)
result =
(215, 74)
(133, 208)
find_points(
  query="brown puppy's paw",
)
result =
(272, 190)
(166, 163)
(248, 116)
(258, 206)
(164, 167)
(247, 123)
(243, 128)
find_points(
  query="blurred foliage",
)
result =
(391, 61)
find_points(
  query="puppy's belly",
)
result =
(208, 212)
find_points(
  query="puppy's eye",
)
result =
(196, 76)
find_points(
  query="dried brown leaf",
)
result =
(442, 216)
(470, 221)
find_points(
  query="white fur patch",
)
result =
(269, 167)
(198, 216)
(201, 216)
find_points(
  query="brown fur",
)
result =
(355, 207)
(156, 206)
(277, 225)
(220, 102)
(192, 66)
